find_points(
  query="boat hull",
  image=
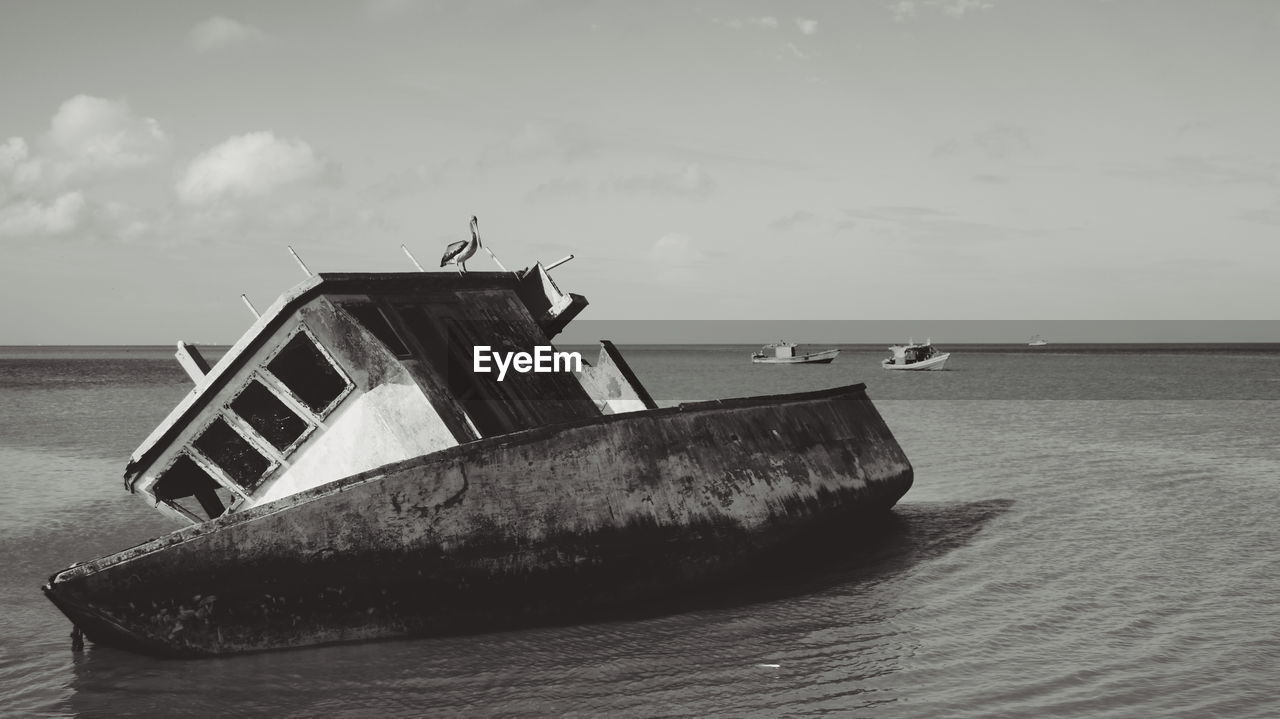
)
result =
(545, 525)
(824, 357)
(936, 362)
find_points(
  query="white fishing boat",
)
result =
(785, 353)
(913, 356)
(1037, 341)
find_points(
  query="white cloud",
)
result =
(678, 257)
(956, 8)
(89, 138)
(764, 22)
(903, 10)
(806, 25)
(692, 180)
(790, 50)
(33, 218)
(557, 188)
(223, 33)
(105, 134)
(250, 166)
(13, 153)
(793, 220)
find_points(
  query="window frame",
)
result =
(259, 444)
(209, 468)
(264, 368)
(281, 392)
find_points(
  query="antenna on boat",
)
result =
(557, 263)
(249, 304)
(301, 264)
(475, 228)
(412, 259)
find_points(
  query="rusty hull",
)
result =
(545, 525)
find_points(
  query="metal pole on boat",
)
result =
(249, 304)
(301, 264)
(557, 263)
(475, 227)
(496, 260)
(411, 259)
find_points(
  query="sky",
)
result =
(922, 160)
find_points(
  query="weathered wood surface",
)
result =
(537, 526)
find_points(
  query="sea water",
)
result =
(1092, 533)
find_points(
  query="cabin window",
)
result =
(183, 480)
(308, 373)
(233, 454)
(372, 318)
(268, 416)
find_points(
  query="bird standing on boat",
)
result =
(459, 252)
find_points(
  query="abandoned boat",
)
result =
(785, 353)
(912, 356)
(345, 473)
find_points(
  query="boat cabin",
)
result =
(779, 350)
(911, 353)
(347, 372)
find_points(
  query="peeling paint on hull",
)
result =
(538, 526)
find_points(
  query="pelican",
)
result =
(459, 252)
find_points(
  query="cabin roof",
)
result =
(325, 283)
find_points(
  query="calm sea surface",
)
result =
(1093, 532)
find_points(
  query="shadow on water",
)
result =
(109, 681)
(873, 551)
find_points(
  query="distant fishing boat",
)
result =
(912, 356)
(1037, 341)
(785, 353)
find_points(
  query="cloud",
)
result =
(44, 185)
(1208, 169)
(998, 142)
(789, 50)
(104, 134)
(678, 258)
(764, 22)
(33, 218)
(903, 10)
(222, 33)
(807, 26)
(691, 181)
(251, 166)
(1263, 215)
(89, 138)
(557, 188)
(565, 142)
(793, 220)
(939, 230)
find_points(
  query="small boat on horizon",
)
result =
(1037, 341)
(785, 353)
(917, 357)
